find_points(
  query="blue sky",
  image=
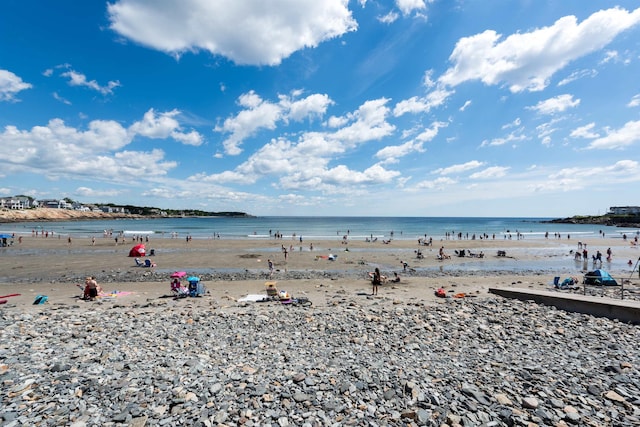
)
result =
(334, 107)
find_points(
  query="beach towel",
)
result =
(10, 295)
(253, 298)
(114, 294)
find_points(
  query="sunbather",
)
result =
(91, 289)
(567, 283)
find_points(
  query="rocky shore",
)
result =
(627, 221)
(51, 214)
(46, 214)
(357, 361)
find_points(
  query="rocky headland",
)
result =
(630, 221)
(48, 214)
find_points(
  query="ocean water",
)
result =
(326, 228)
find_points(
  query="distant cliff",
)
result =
(50, 214)
(631, 221)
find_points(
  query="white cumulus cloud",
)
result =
(79, 79)
(627, 135)
(164, 125)
(305, 163)
(10, 85)
(557, 104)
(96, 153)
(491, 172)
(260, 114)
(459, 168)
(409, 6)
(585, 131)
(253, 32)
(527, 60)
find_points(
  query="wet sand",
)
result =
(54, 267)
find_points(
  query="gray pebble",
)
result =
(352, 363)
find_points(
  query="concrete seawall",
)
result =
(623, 310)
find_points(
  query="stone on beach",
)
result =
(357, 362)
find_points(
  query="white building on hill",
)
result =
(624, 210)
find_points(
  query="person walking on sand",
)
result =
(270, 264)
(375, 281)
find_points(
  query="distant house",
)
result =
(52, 203)
(112, 209)
(16, 202)
(624, 210)
(5, 202)
(80, 207)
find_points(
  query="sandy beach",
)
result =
(232, 268)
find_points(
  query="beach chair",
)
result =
(178, 290)
(196, 287)
(139, 263)
(273, 294)
(272, 291)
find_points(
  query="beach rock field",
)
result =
(358, 360)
